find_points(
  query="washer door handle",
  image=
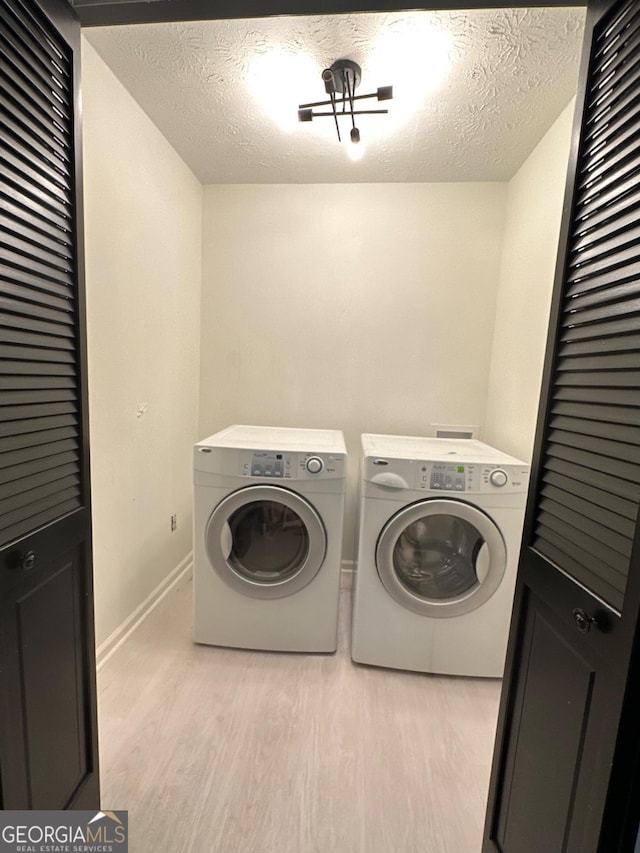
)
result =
(483, 562)
(226, 540)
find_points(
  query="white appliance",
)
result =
(440, 528)
(268, 516)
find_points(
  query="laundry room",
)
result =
(242, 273)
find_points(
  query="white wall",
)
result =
(366, 308)
(143, 212)
(534, 209)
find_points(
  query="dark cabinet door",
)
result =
(568, 726)
(48, 736)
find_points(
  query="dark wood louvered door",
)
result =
(48, 737)
(567, 732)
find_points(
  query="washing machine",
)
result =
(268, 518)
(439, 539)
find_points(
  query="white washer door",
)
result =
(265, 541)
(441, 557)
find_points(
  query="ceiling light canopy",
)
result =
(340, 82)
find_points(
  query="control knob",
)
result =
(498, 478)
(314, 465)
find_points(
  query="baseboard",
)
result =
(346, 574)
(126, 629)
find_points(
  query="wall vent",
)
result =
(455, 431)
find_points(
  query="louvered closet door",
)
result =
(40, 431)
(567, 732)
(48, 755)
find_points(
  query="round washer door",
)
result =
(265, 541)
(441, 558)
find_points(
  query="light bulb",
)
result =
(279, 79)
(355, 151)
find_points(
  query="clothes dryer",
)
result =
(268, 517)
(439, 538)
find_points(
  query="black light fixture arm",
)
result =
(338, 101)
(350, 113)
(335, 116)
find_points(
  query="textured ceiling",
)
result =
(474, 91)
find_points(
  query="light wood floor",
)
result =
(224, 751)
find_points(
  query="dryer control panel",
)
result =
(265, 463)
(287, 465)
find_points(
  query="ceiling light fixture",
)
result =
(342, 79)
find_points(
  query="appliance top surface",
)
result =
(277, 438)
(434, 449)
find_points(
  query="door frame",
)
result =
(100, 13)
(67, 25)
(624, 799)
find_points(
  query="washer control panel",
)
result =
(444, 475)
(286, 465)
(468, 477)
